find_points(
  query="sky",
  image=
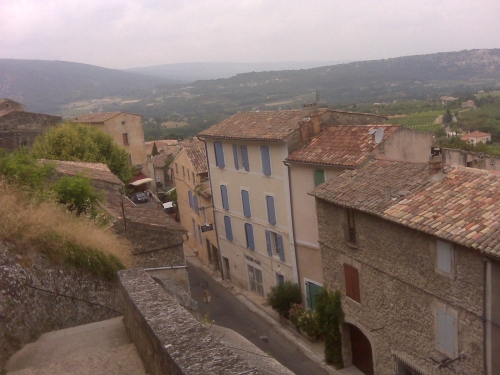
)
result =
(137, 33)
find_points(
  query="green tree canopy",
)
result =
(78, 142)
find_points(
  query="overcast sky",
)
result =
(137, 33)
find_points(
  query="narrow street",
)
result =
(227, 311)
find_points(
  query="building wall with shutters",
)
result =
(401, 292)
(252, 186)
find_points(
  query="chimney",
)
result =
(435, 161)
(309, 108)
(387, 191)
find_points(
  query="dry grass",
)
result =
(27, 222)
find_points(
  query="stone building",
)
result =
(414, 249)
(19, 128)
(328, 154)
(471, 159)
(126, 130)
(194, 200)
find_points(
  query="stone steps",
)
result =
(96, 348)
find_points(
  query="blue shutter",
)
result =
(225, 200)
(271, 212)
(245, 198)
(195, 202)
(190, 195)
(228, 227)
(199, 235)
(235, 155)
(244, 154)
(279, 243)
(249, 235)
(268, 242)
(266, 160)
(219, 155)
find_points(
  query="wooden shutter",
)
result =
(266, 160)
(269, 245)
(352, 289)
(245, 198)
(249, 235)
(225, 200)
(219, 155)
(279, 244)
(271, 212)
(228, 227)
(444, 256)
(190, 195)
(235, 156)
(244, 156)
(319, 177)
(446, 332)
(195, 203)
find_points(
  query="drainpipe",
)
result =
(293, 226)
(221, 265)
(485, 315)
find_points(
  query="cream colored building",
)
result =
(328, 154)
(189, 172)
(126, 130)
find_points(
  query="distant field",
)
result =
(173, 124)
(423, 121)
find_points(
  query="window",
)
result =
(194, 229)
(319, 177)
(199, 235)
(245, 199)
(352, 282)
(271, 211)
(266, 160)
(183, 172)
(446, 331)
(240, 154)
(194, 181)
(274, 243)
(255, 280)
(228, 228)
(350, 235)
(195, 204)
(189, 176)
(225, 199)
(125, 139)
(249, 236)
(280, 279)
(190, 197)
(176, 168)
(444, 258)
(219, 155)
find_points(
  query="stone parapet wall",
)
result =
(168, 338)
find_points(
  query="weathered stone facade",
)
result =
(26, 313)
(400, 290)
(21, 128)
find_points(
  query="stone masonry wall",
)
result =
(26, 313)
(168, 338)
(400, 290)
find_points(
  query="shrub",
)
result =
(308, 323)
(77, 194)
(283, 296)
(295, 313)
(330, 317)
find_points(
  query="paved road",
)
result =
(228, 311)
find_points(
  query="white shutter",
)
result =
(444, 255)
(446, 332)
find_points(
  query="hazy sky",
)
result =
(133, 33)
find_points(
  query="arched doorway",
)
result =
(361, 350)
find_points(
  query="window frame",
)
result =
(275, 245)
(220, 161)
(444, 246)
(125, 139)
(250, 237)
(350, 227)
(224, 197)
(352, 282)
(228, 228)
(245, 203)
(439, 329)
(265, 152)
(316, 176)
(271, 209)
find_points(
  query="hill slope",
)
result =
(43, 86)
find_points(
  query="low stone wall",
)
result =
(26, 312)
(168, 338)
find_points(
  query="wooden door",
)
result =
(361, 350)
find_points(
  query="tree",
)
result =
(282, 297)
(77, 194)
(330, 317)
(447, 117)
(78, 142)
(154, 152)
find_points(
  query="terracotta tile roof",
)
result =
(94, 171)
(95, 117)
(343, 145)
(159, 160)
(462, 207)
(475, 135)
(264, 125)
(198, 157)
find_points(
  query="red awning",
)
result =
(139, 176)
